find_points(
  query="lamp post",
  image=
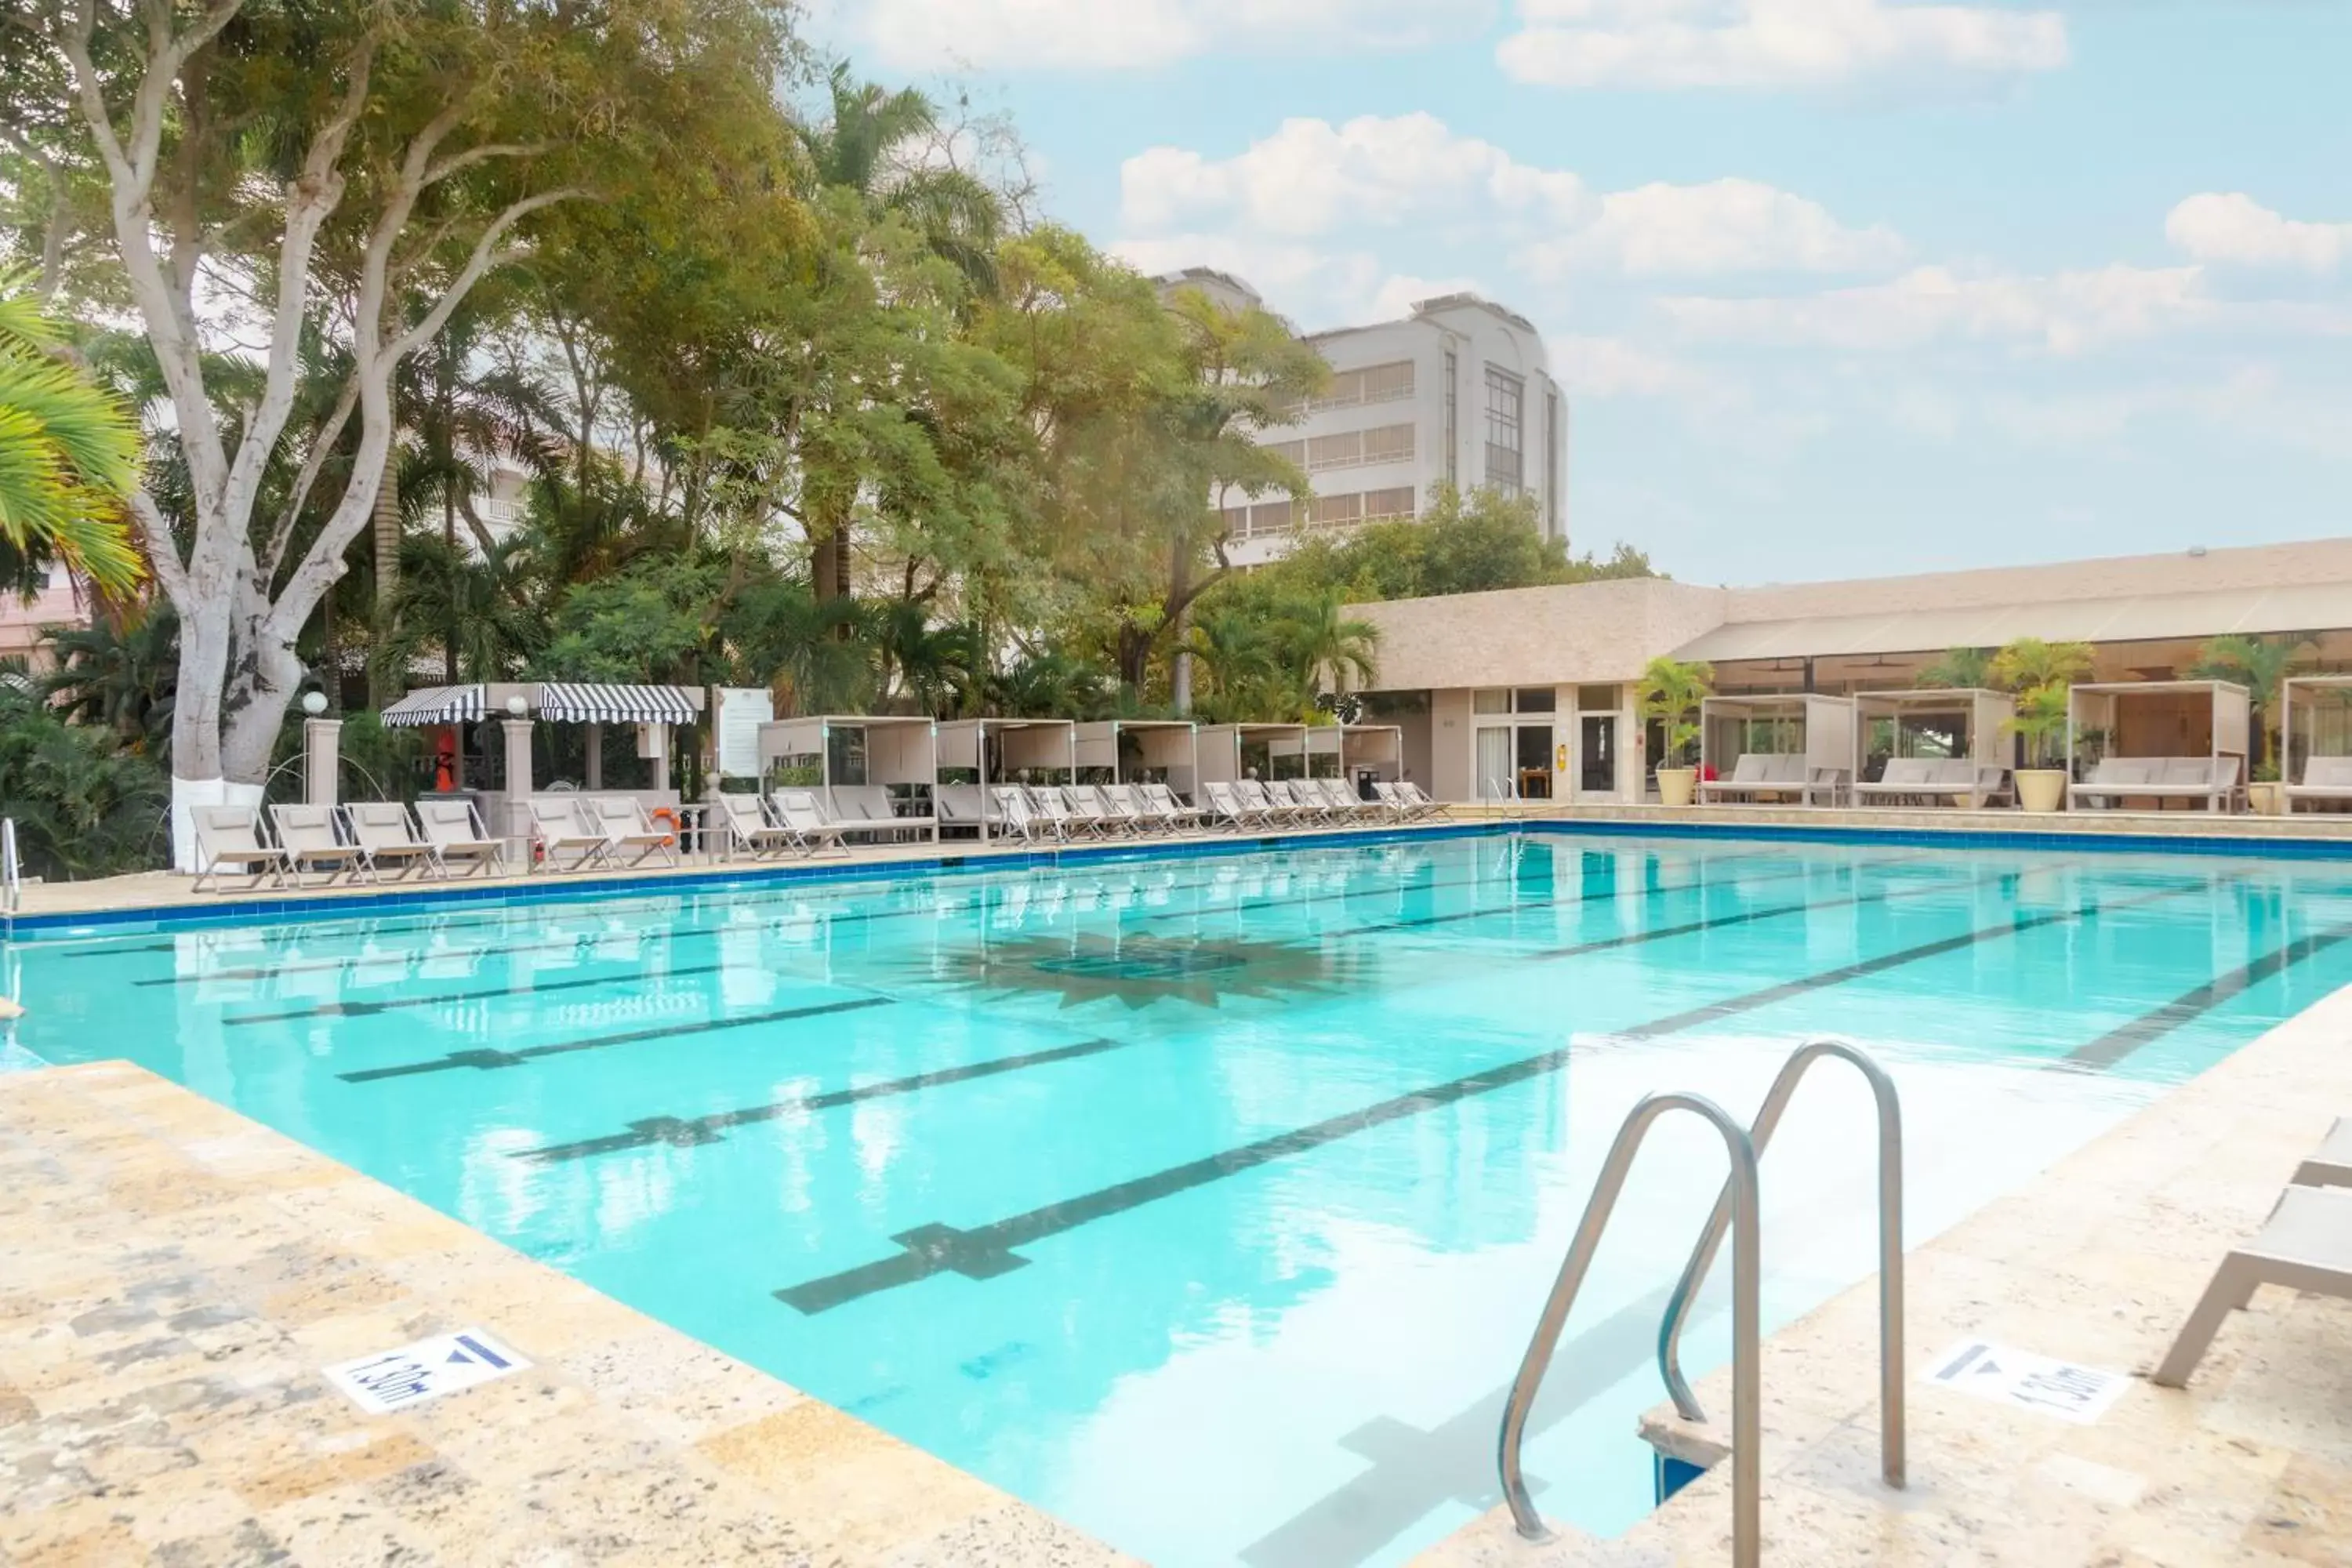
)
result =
(321, 745)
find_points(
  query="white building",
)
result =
(1459, 393)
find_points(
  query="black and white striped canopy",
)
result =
(581, 703)
(437, 705)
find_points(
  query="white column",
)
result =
(321, 743)
(518, 789)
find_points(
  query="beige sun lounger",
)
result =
(2306, 1245)
(306, 834)
(1306, 804)
(1085, 813)
(2114, 780)
(559, 828)
(456, 835)
(1230, 810)
(1417, 800)
(797, 810)
(230, 836)
(749, 830)
(868, 809)
(625, 827)
(1014, 819)
(383, 835)
(2323, 778)
(1254, 795)
(1347, 806)
(1124, 804)
(1161, 802)
(1775, 774)
(2330, 1164)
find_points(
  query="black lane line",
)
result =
(986, 1251)
(687, 1132)
(368, 1009)
(650, 1130)
(2118, 1044)
(487, 1060)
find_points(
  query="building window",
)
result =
(1388, 506)
(1374, 383)
(1344, 450)
(1293, 452)
(1537, 700)
(1331, 510)
(1270, 517)
(1553, 446)
(1236, 519)
(1453, 429)
(1596, 699)
(1389, 444)
(1506, 396)
(1490, 701)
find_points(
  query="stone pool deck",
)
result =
(2097, 1261)
(172, 1278)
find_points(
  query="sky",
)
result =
(1836, 287)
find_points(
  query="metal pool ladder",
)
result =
(1736, 1208)
(12, 875)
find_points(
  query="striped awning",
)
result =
(582, 702)
(437, 705)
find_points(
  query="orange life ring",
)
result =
(664, 817)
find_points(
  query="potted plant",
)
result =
(2041, 674)
(2258, 664)
(1670, 691)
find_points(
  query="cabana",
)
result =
(2162, 740)
(1356, 754)
(862, 762)
(992, 749)
(1143, 750)
(1225, 752)
(1946, 746)
(655, 710)
(1796, 744)
(2322, 772)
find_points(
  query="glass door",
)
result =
(1534, 761)
(1596, 771)
(1493, 762)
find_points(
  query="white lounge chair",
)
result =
(559, 829)
(2330, 1164)
(1416, 800)
(749, 830)
(797, 810)
(1228, 809)
(230, 835)
(382, 834)
(1280, 813)
(2115, 780)
(1178, 815)
(627, 828)
(1086, 814)
(1124, 804)
(2306, 1245)
(1014, 819)
(1346, 804)
(1757, 774)
(959, 806)
(1305, 796)
(306, 834)
(2323, 779)
(868, 809)
(456, 835)
(1047, 803)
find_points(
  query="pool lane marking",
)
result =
(369, 1008)
(678, 1131)
(987, 1251)
(487, 1060)
(687, 1132)
(2118, 1044)
(411, 962)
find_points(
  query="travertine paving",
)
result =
(172, 1278)
(2097, 1262)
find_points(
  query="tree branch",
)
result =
(322, 447)
(486, 256)
(163, 550)
(441, 169)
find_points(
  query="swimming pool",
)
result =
(1208, 1201)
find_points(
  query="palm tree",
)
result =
(121, 675)
(1330, 648)
(2258, 664)
(2029, 664)
(1234, 654)
(475, 610)
(68, 452)
(859, 149)
(1670, 691)
(1959, 669)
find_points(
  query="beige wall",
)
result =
(1450, 743)
(1537, 636)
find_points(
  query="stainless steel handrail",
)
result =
(1891, 1446)
(1747, 1464)
(12, 875)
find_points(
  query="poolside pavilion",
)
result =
(1232, 752)
(1811, 733)
(1041, 750)
(1141, 751)
(869, 766)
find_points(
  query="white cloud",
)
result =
(2237, 230)
(1723, 225)
(2064, 313)
(1770, 43)
(1108, 35)
(1311, 176)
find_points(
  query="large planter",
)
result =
(2268, 799)
(1677, 787)
(2042, 789)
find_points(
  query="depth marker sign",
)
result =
(2027, 1381)
(394, 1380)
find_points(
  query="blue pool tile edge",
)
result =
(735, 879)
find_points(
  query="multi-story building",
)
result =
(1459, 393)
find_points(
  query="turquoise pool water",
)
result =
(1208, 1201)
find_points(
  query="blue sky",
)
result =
(1836, 287)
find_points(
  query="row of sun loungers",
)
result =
(362, 840)
(1920, 781)
(2211, 782)
(1068, 812)
(1758, 774)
